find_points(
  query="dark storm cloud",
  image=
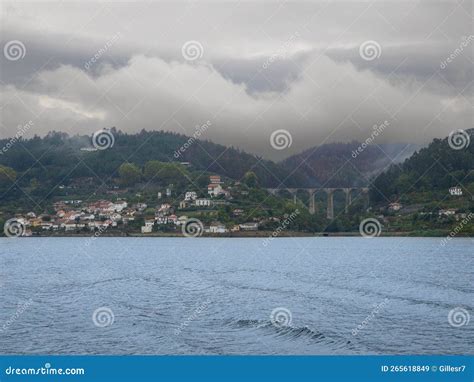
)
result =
(263, 66)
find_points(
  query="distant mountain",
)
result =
(443, 164)
(345, 164)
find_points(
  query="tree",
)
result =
(152, 170)
(164, 173)
(7, 175)
(129, 174)
(250, 179)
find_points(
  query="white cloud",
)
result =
(332, 101)
(318, 88)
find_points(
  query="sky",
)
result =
(271, 77)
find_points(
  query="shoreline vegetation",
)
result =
(254, 234)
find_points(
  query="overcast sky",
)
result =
(250, 68)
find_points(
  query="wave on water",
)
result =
(284, 331)
(293, 333)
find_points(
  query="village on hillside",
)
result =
(169, 214)
(219, 209)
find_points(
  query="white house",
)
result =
(69, 226)
(190, 195)
(161, 219)
(46, 225)
(140, 206)
(455, 191)
(165, 207)
(447, 212)
(249, 226)
(214, 189)
(181, 220)
(202, 202)
(217, 228)
(118, 206)
(149, 222)
(147, 229)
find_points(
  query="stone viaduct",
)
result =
(330, 195)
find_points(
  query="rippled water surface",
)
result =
(216, 296)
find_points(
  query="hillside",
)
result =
(431, 170)
(63, 158)
(60, 158)
(340, 165)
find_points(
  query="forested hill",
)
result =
(61, 159)
(443, 164)
(342, 165)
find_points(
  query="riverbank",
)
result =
(247, 234)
